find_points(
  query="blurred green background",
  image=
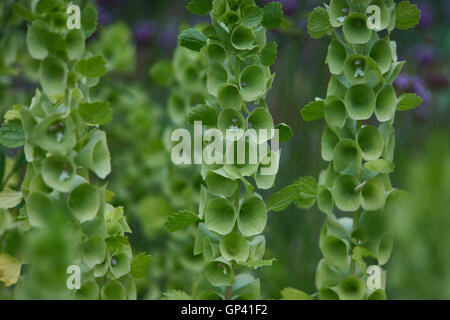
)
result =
(135, 34)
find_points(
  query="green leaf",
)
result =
(88, 20)
(313, 111)
(285, 132)
(9, 269)
(96, 113)
(22, 12)
(272, 15)
(176, 295)
(318, 23)
(204, 113)
(407, 15)
(180, 219)
(12, 134)
(283, 198)
(408, 101)
(269, 54)
(92, 67)
(192, 39)
(139, 265)
(294, 294)
(10, 199)
(200, 7)
(162, 73)
(307, 195)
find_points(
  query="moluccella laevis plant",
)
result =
(358, 142)
(70, 223)
(238, 78)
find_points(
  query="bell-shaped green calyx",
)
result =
(325, 200)
(219, 184)
(229, 97)
(385, 15)
(351, 288)
(261, 119)
(334, 111)
(377, 295)
(325, 275)
(219, 272)
(95, 155)
(371, 142)
(356, 69)
(385, 248)
(75, 44)
(38, 206)
(339, 9)
(347, 154)
(113, 290)
(233, 246)
(381, 53)
(215, 52)
(242, 157)
(373, 195)
(55, 134)
(360, 102)
(252, 82)
(230, 119)
(336, 88)
(53, 76)
(210, 249)
(220, 216)
(243, 38)
(257, 248)
(346, 194)
(252, 217)
(355, 28)
(328, 294)
(94, 251)
(120, 265)
(329, 141)
(58, 172)
(337, 54)
(217, 76)
(335, 252)
(386, 103)
(37, 39)
(88, 291)
(84, 202)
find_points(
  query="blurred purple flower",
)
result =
(402, 82)
(169, 36)
(419, 88)
(425, 55)
(144, 31)
(104, 18)
(427, 15)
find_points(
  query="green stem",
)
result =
(228, 293)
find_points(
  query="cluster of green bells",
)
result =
(363, 67)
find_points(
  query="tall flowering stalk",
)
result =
(358, 141)
(238, 78)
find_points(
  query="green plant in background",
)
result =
(65, 218)
(238, 77)
(363, 64)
